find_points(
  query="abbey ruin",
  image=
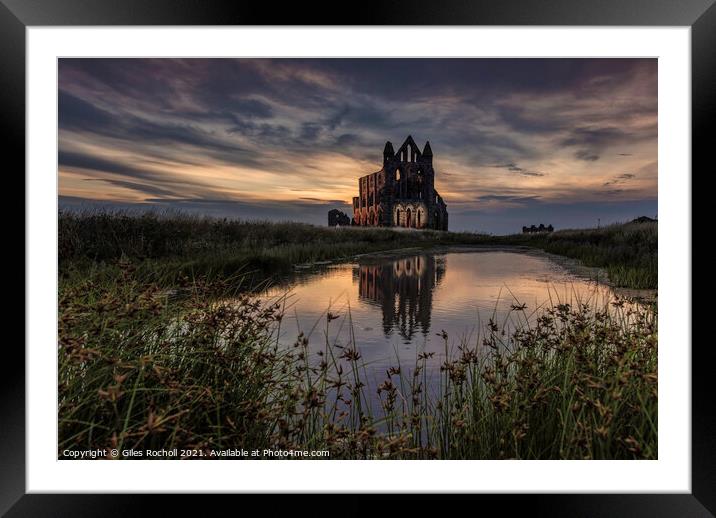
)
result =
(402, 193)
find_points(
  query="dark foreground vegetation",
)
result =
(161, 347)
(167, 247)
(140, 371)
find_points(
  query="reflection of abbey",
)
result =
(402, 193)
(404, 291)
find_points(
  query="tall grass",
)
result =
(141, 369)
(170, 246)
(136, 369)
(160, 346)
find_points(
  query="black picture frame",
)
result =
(700, 15)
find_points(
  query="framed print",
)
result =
(428, 250)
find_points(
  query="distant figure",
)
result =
(534, 229)
(337, 218)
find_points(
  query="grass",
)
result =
(139, 369)
(167, 247)
(162, 345)
(628, 252)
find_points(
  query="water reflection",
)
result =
(393, 307)
(403, 289)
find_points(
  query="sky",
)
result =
(567, 142)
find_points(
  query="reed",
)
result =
(201, 367)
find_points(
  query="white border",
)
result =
(671, 472)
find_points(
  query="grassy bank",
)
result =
(139, 370)
(162, 346)
(166, 248)
(628, 252)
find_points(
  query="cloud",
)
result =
(240, 129)
(620, 179)
(142, 188)
(319, 200)
(142, 180)
(586, 156)
(84, 117)
(593, 137)
(513, 168)
(507, 198)
(593, 141)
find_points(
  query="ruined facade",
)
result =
(402, 193)
(403, 290)
(338, 218)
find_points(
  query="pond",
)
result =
(394, 306)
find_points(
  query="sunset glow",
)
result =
(515, 141)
